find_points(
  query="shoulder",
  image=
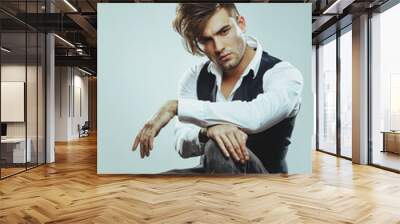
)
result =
(191, 75)
(187, 85)
(283, 71)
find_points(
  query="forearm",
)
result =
(252, 117)
(171, 107)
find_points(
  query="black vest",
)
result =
(271, 145)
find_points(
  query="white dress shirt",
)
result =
(282, 85)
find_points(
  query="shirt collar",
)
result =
(253, 65)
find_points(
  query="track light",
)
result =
(337, 7)
(64, 40)
(70, 5)
(5, 50)
(84, 71)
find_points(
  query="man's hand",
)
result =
(231, 140)
(151, 129)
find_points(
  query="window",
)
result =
(385, 89)
(327, 96)
(346, 93)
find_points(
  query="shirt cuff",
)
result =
(200, 144)
(194, 134)
(192, 111)
(191, 146)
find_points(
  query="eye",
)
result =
(225, 31)
(203, 40)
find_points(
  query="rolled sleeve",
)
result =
(187, 140)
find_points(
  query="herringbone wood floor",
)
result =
(70, 191)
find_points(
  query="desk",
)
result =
(13, 150)
(391, 141)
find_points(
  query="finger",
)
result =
(139, 137)
(242, 142)
(151, 132)
(142, 145)
(145, 142)
(229, 147)
(246, 150)
(137, 140)
(148, 145)
(141, 151)
(151, 142)
(235, 145)
(222, 146)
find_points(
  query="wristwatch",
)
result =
(203, 135)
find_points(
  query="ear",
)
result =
(241, 23)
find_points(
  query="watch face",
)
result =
(202, 137)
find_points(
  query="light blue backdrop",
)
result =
(141, 58)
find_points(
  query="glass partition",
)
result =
(22, 77)
(327, 96)
(14, 153)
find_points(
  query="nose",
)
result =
(219, 46)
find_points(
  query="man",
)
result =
(236, 110)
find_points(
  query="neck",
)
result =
(237, 71)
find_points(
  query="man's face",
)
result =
(223, 40)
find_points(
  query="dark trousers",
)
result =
(214, 162)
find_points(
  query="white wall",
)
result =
(79, 117)
(61, 103)
(69, 84)
(17, 73)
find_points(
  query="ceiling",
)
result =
(76, 22)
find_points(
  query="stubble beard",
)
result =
(235, 60)
(231, 64)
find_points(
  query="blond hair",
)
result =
(191, 19)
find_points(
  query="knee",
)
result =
(210, 144)
(212, 151)
(216, 162)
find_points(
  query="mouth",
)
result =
(224, 57)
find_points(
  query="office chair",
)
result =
(84, 130)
